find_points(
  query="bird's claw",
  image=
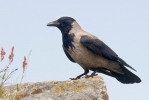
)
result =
(92, 75)
(75, 78)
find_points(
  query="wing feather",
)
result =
(101, 49)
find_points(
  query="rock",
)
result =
(81, 89)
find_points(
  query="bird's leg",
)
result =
(92, 75)
(78, 77)
(105, 72)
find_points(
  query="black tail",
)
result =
(126, 78)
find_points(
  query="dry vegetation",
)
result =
(5, 75)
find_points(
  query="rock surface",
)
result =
(82, 89)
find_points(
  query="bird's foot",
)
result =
(92, 75)
(78, 77)
(75, 78)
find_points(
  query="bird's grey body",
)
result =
(85, 58)
(91, 53)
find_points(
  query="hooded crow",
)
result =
(91, 53)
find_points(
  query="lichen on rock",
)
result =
(81, 89)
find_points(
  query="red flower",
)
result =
(24, 64)
(11, 55)
(2, 54)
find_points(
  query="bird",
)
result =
(91, 53)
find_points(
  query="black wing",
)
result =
(100, 48)
(67, 54)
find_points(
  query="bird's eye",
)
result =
(62, 24)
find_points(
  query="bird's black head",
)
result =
(63, 23)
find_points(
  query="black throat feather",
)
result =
(67, 41)
(66, 37)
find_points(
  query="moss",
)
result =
(75, 86)
(1, 92)
(57, 90)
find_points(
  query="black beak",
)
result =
(54, 23)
